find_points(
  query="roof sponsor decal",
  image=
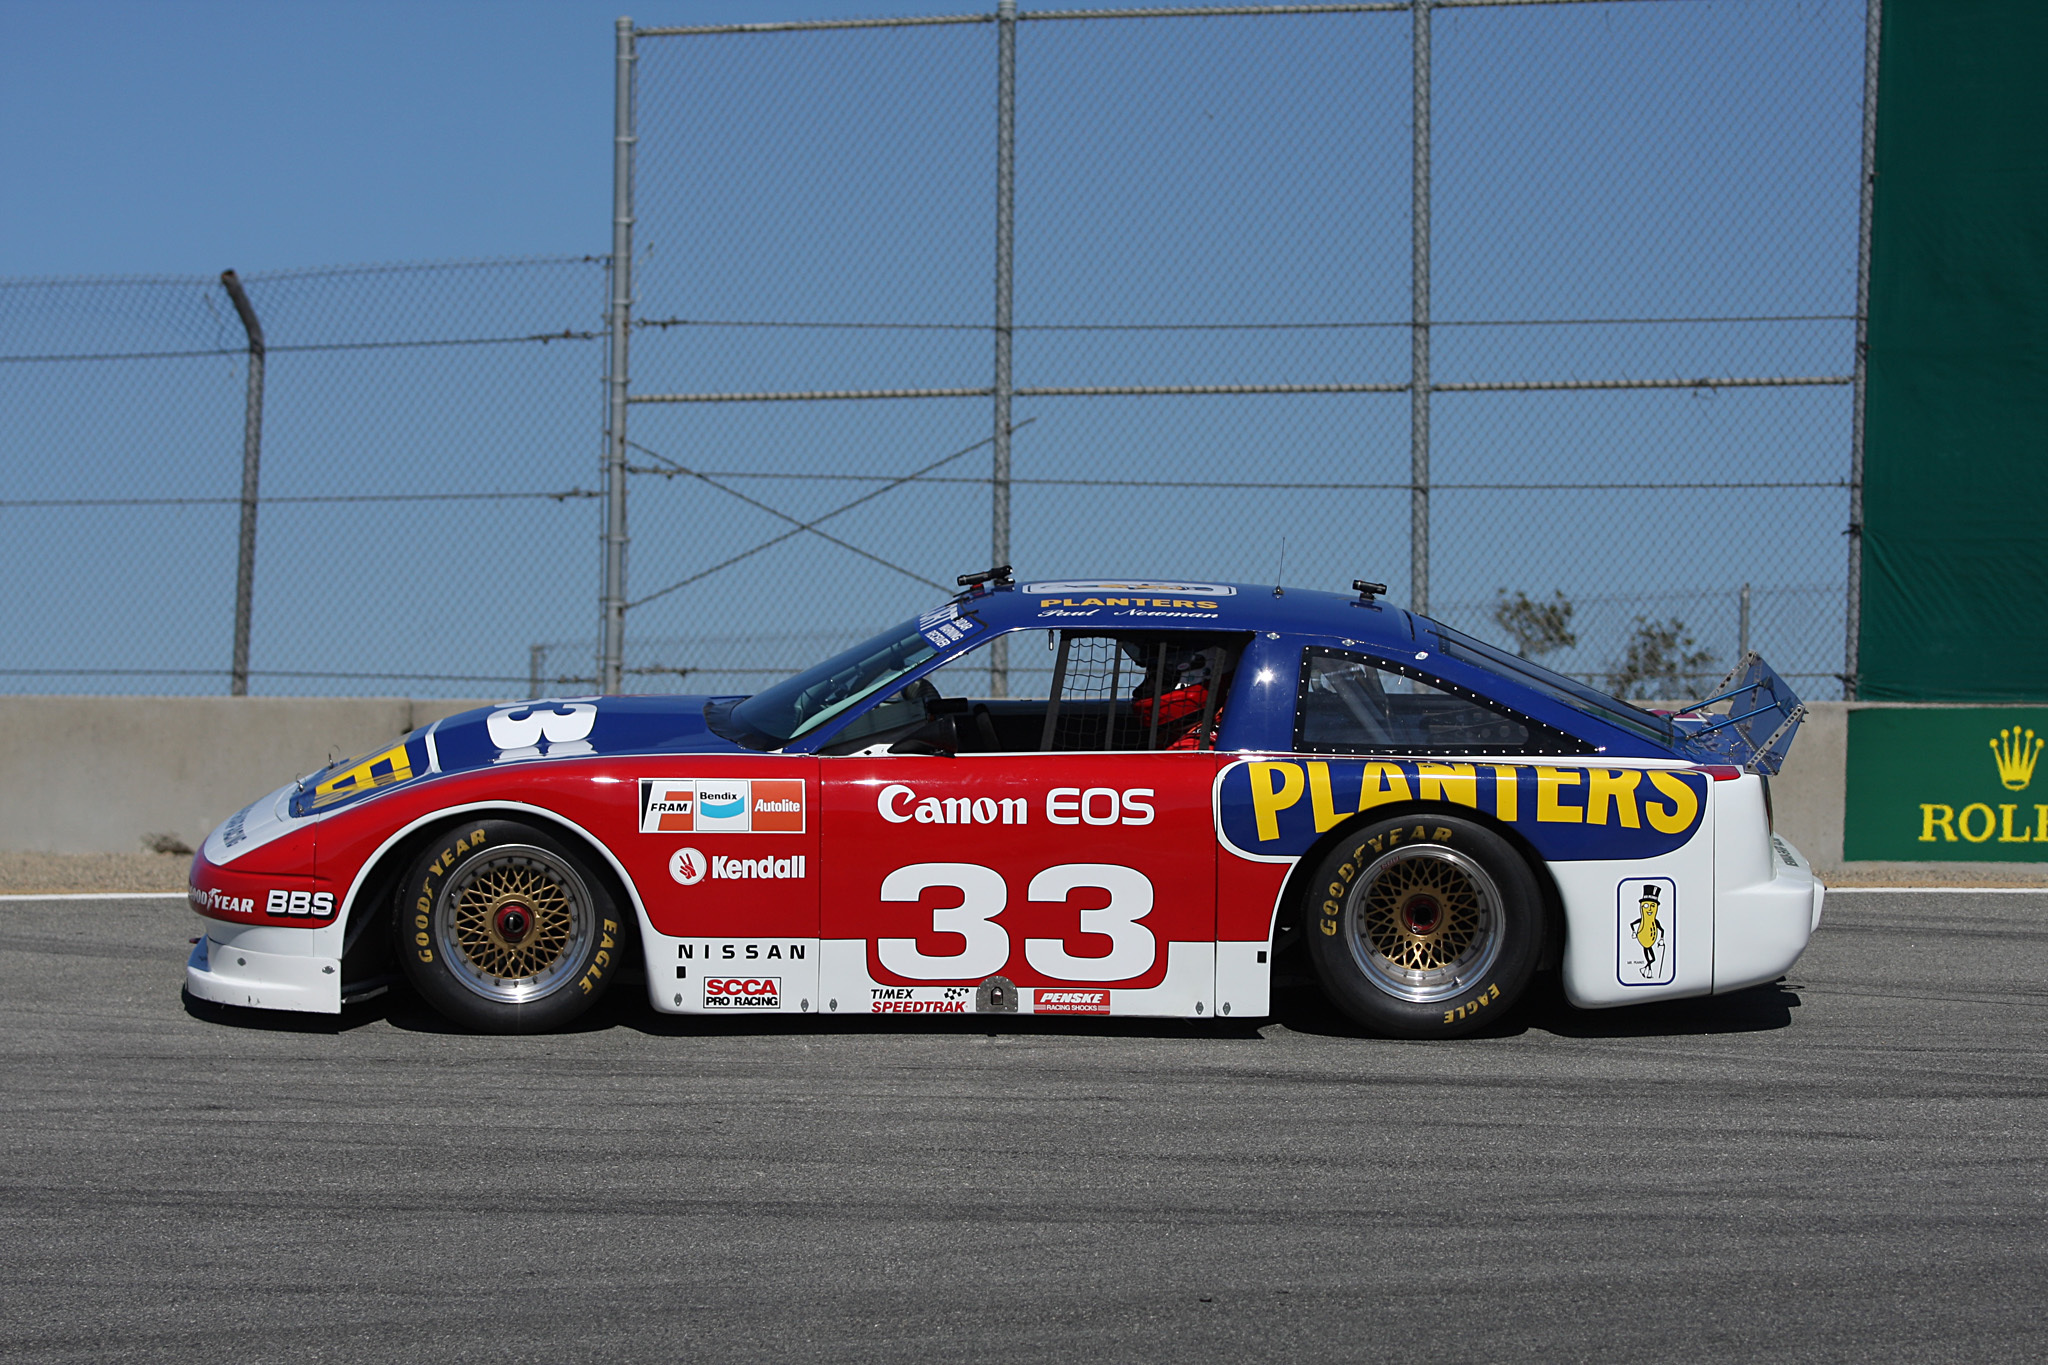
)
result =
(1274, 809)
(1068, 586)
(947, 626)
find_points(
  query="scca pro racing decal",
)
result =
(742, 992)
(1275, 809)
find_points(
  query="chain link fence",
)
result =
(1636, 256)
(430, 456)
(1620, 262)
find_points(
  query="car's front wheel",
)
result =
(505, 928)
(1424, 926)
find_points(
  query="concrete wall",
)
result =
(100, 774)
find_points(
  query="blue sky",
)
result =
(187, 136)
(1682, 158)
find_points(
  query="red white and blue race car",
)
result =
(1192, 779)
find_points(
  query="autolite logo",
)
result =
(1070, 1002)
(743, 993)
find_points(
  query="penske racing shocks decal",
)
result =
(1274, 809)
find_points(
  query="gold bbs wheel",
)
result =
(1424, 922)
(514, 924)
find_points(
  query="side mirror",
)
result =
(939, 736)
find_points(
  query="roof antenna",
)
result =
(1278, 591)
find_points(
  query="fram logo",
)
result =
(1046, 1001)
(709, 805)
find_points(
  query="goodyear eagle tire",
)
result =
(505, 928)
(1424, 926)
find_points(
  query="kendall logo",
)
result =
(758, 869)
(709, 805)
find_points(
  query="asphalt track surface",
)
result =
(1846, 1166)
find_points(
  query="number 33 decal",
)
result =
(984, 895)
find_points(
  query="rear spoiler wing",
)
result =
(1754, 729)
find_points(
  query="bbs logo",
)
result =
(318, 904)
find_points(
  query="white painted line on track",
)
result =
(1938, 890)
(97, 896)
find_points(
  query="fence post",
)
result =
(1852, 645)
(1418, 374)
(613, 635)
(1006, 223)
(252, 460)
(1742, 627)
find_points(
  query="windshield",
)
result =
(800, 704)
(1556, 686)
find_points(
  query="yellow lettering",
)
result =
(1457, 782)
(1091, 601)
(1329, 928)
(1381, 783)
(1505, 785)
(2006, 836)
(1184, 603)
(2041, 824)
(1205, 606)
(1268, 800)
(1685, 803)
(1320, 801)
(1602, 785)
(1963, 822)
(1548, 811)
(1117, 601)
(367, 774)
(1928, 820)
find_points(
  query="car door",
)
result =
(1076, 877)
(724, 850)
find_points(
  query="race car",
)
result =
(1140, 816)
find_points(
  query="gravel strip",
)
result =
(61, 872)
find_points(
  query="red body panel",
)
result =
(1042, 868)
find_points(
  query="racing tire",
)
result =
(505, 928)
(1424, 926)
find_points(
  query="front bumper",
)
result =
(261, 968)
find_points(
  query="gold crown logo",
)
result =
(2016, 751)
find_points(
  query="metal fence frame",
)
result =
(1420, 386)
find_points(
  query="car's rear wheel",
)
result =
(1424, 926)
(505, 928)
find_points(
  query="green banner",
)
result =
(1954, 504)
(1947, 784)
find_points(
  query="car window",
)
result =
(1138, 690)
(1570, 691)
(1083, 691)
(1350, 704)
(795, 706)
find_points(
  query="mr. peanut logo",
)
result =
(547, 728)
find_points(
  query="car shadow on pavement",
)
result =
(1299, 1005)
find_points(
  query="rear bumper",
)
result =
(1760, 930)
(266, 969)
